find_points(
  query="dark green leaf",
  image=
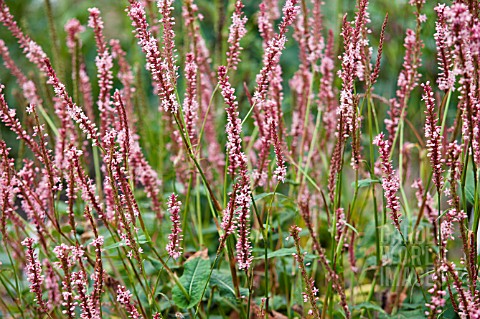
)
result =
(194, 279)
(223, 281)
(224, 284)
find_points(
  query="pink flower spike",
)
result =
(86, 302)
(244, 246)
(124, 297)
(237, 32)
(104, 63)
(290, 11)
(155, 64)
(234, 124)
(446, 78)
(237, 214)
(281, 170)
(34, 274)
(391, 182)
(434, 136)
(169, 52)
(174, 248)
(32, 50)
(29, 89)
(75, 112)
(190, 103)
(73, 28)
(96, 23)
(273, 51)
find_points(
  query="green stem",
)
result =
(53, 33)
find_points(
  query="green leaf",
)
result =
(194, 279)
(291, 182)
(352, 228)
(141, 240)
(224, 284)
(261, 196)
(284, 252)
(223, 281)
(369, 306)
(470, 188)
(470, 192)
(365, 182)
(410, 314)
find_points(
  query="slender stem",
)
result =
(197, 165)
(53, 33)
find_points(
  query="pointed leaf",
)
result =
(194, 279)
(222, 280)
